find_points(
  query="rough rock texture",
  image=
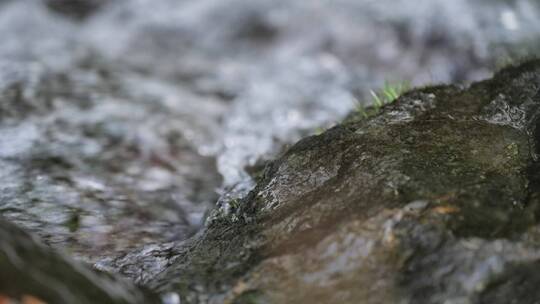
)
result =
(432, 200)
(120, 119)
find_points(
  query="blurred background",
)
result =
(123, 121)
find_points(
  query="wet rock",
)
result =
(31, 269)
(116, 130)
(434, 199)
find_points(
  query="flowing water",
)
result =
(123, 122)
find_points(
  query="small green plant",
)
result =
(393, 91)
(234, 203)
(508, 61)
(388, 94)
(503, 62)
(319, 130)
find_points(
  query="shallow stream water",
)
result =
(123, 122)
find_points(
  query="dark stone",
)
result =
(28, 267)
(431, 199)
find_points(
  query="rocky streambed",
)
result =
(121, 128)
(432, 199)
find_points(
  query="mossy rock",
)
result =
(433, 199)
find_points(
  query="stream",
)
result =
(125, 126)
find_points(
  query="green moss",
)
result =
(512, 150)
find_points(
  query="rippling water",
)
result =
(120, 129)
